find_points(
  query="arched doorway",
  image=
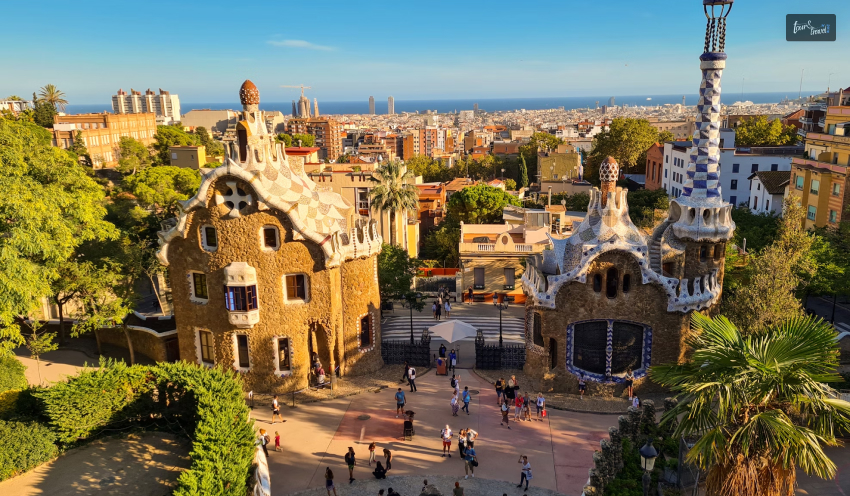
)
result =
(318, 346)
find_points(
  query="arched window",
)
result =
(627, 283)
(537, 329)
(612, 280)
(597, 282)
(703, 253)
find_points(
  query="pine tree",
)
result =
(523, 173)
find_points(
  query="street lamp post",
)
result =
(503, 305)
(648, 454)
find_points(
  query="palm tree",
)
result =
(394, 192)
(758, 403)
(51, 94)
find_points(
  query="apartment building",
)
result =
(819, 182)
(327, 131)
(102, 133)
(737, 164)
(681, 129)
(654, 166)
(554, 166)
(164, 105)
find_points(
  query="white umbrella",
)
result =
(453, 330)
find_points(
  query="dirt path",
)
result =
(144, 465)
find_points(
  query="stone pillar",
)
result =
(609, 171)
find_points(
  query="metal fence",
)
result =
(495, 357)
(689, 475)
(433, 284)
(398, 352)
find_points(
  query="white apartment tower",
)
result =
(164, 105)
(390, 106)
(371, 105)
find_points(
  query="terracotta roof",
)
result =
(301, 150)
(774, 181)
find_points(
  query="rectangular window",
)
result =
(833, 216)
(205, 339)
(283, 354)
(210, 239)
(270, 237)
(479, 277)
(240, 298)
(242, 351)
(665, 173)
(815, 188)
(296, 287)
(774, 167)
(736, 168)
(666, 159)
(365, 332)
(510, 278)
(755, 203)
(755, 168)
(733, 200)
(836, 189)
(799, 183)
(199, 286)
(812, 212)
(734, 184)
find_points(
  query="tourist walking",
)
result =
(541, 405)
(461, 442)
(466, 399)
(500, 390)
(434, 309)
(276, 441)
(635, 402)
(517, 407)
(276, 410)
(582, 386)
(439, 310)
(453, 359)
(510, 392)
(457, 385)
(526, 472)
(388, 458)
(446, 435)
(454, 404)
(351, 462)
(526, 407)
(630, 381)
(470, 462)
(263, 440)
(380, 472)
(372, 447)
(399, 402)
(469, 296)
(329, 481)
(411, 379)
(448, 307)
(471, 436)
(506, 410)
(442, 351)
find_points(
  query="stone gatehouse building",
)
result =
(268, 270)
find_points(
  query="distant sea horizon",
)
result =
(486, 104)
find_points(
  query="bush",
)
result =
(25, 445)
(8, 401)
(12, 374)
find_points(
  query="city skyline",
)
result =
(615, 48)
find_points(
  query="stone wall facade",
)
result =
(144, 343)
(321, 324)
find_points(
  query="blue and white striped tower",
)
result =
(700, 214)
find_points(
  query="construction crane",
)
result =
(298, 86)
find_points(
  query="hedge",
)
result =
(24, 445)
(206, 405)
(12, 374)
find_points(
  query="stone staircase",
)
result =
(654, 246)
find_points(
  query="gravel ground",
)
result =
(597, 400)
(411, 485)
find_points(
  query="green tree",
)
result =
(51, 94)
(43, 113)
(78, 148)
(759, 403)
(643, 204)
(394, 192)
(133, 156)
(160, 188)
(168, 136)
(14, 98)
(39, 342)
(766, 295)
(664, 136)
(538, 141)
(443, 244)
(523, 173)
(49, 207)
(758, 131)
(285, 139)
(213, 148)
(306, 139)
(577, 202)
(759, 230)
(479, 204)
(627, 140)
(396, 270)
(510, 184)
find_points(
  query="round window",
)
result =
(504, 240)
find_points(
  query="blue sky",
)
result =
(411, 50)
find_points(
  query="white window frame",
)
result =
(199, 355)
(263, 238)
(203, 233)
(192, 293)
(297, 301)
(236, 353)
(276, 348)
